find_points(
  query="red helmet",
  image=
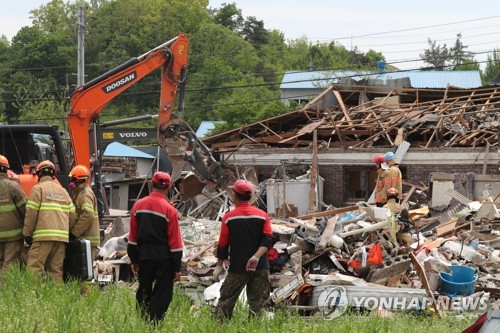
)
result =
(46, 166)
(379, 159)
(161, 177)
(392, 192)
(80, 172)
(4, 162)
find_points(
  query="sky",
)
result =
(398, 29)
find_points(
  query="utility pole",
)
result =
(81, 45)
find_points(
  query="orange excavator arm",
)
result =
(88, 100)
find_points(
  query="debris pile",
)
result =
(343, 256)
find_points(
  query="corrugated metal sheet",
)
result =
(120, 150)
(419, 79)
(314, 79)
(205, 127)
(492, 324)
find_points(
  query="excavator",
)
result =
(26, 145)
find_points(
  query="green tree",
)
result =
(228, 15)
(37, 102)
(253, 31)
(456, 57)
(436, 55)
(492, 67)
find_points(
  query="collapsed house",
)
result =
(449, 130)
(331, 245)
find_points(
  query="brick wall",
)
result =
(335, 180)
(416, 173)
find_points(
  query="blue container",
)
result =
(461, 281)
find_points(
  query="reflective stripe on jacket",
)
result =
(12, 209)
(380, 191)
(49, 212)
(87, 217)
(393, 179)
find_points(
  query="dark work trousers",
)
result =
(257, 283)
(156, 287)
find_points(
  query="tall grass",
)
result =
(31, 305)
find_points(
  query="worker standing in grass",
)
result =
(50, 214)
(380, 191)
(394, 177)
(87, 217)
(12, 211)
(246, 233)
(155, 248)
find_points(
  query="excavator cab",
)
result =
(26, 145)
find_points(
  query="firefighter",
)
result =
(50, 214)
(392, 198)
(12, 211)
(380, 191)
(394, 177)
(87, 218)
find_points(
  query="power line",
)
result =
(249, 75)
(419, 28)
(455, 31)
(253, 85)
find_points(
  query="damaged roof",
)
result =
(365, 116)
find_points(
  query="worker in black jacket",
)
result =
(155, 248)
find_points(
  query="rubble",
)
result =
(352, 249)
(356, 252)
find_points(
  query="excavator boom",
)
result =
(88, 100)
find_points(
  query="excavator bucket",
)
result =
(175, 150)
(182, 145)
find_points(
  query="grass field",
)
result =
(27, 305)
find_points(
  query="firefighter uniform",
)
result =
(394, 179)
(393, 206)
(87, 217)
(50, 214)
(12, 211)
(380, 187)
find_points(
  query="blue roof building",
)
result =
(117, 149)
(206, 126)
(304, 86)
(121, 161)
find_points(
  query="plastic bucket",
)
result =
(461, 281)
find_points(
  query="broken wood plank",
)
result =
(425, 283)
(314, 175)
(328, 212)
(327, 233)
(342, 105)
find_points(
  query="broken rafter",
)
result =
(270, 130)
(342, 105)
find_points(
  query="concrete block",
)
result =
(391, 266)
